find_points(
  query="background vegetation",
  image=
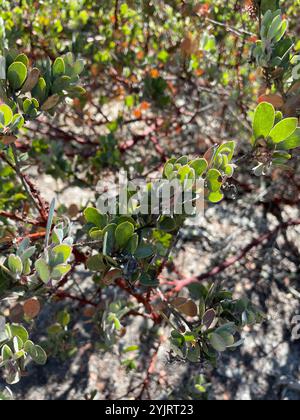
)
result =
(150, 312)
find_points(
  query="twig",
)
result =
(150, 370)
(180, 284)
(228, 28)
(21, 176)
(141, 299)
(19, 218)
(82, 301)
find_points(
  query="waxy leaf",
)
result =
(264, 119)
(17, 74)
(283, 130)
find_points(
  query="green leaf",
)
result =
(40, 356)
(274, 27)
(123, 233)
(283, 130)
(199, 165)
(96, 234)
(60, 271)
(69, 59)
(6, 353)
(37, 354)
(144, 251)
(229, 170)
(60, 84)
(17, 344)
(22, 58)
(117, 323)
(27, 106)
(132, 244)
(78, 67)
(131, 348)
(278, 116)
(7, 115)
(75, 91)
(184, 173)
(215, 197)
(168, 170)
(15, 264)
(17, 122)
(17, 74)
(57, 236)
(218, 342)
(40, 90)
(28, 346)
(167, 224)
(200, 388)
(227, 149)
(264, 119)
(61, 254)
(54, 329)
(183, 160)
(43, 270)
(148, 281)
(194, 353)
(214, 180)
(96, 263)
(291, 142)
(28, 253)
(14, 374)
(64, 318)
(59, 67)
(281, 31)
(227, 337)
(93, 216)
(19, 331)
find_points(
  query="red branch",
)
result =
(180, 284)
(42, 205)
(150, 370)
(141, 299)
(18, 218)
(64, 295)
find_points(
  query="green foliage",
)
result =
(214, 320)
(273, 49)
(16, 349)
(153, 64)
(273, 138)
(48, 85)
(53, 265)
(61, 340)
(129, 242)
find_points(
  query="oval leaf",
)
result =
(284, 129)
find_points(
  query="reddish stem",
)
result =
(180, 284)
(141, 299)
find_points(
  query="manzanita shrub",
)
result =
(125, 251)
